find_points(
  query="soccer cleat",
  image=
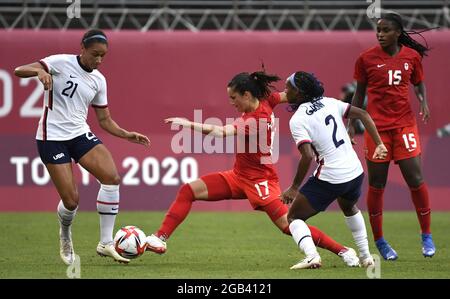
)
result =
(367, 261)
(66, 250)
(310, 262)
(109, 250)
(155, 244)
(386, 251)
(348, 255)
(428, 248)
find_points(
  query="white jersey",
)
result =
(66, 107)
(320, 123)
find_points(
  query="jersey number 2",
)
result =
(327, 122)
(68, 89)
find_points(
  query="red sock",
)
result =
(422, 203)
(324, 241)
(177, 211)
(375, 207)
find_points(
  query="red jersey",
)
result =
(387, 80)
(249, 164)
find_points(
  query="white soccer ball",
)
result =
(129, 242)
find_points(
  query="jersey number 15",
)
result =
(395, 77)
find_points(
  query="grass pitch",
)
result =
(213, 245)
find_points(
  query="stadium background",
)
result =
(167, 58)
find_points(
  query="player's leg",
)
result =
(62, 178)
(265, 196)
(99, 162)
(354, 219)
(56, 157)
(412, 173)
(211, 187)
(299, 211)
(378, 173)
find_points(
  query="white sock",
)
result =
(65, 217)
(302, 237)
(356, 224)
(107, 207)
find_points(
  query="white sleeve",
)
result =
(342, 107)
(101, 100)
(53, 63)
(299, 132)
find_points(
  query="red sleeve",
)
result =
(274, 99)
(360, 74)
(417, 74)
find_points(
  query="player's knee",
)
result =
(414, 180)
(377, 184)
(349, 210)
(113, 179)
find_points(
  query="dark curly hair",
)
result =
(309, 87)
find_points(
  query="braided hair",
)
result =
(309, 87)
(405, 38)
(257, 83)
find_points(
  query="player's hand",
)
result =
(380, 152)
(178, 121)
(138, 138)
(424, 111)
(46, 79)
(289, 195)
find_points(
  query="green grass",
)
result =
(212, 245)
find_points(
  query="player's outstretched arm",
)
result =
(109, 125)
(358, 113)
(218, 131)
(32, 70)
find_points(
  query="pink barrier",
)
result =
(155, 75)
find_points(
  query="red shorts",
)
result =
(401, 143)
(259, 192)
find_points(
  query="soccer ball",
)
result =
(130, 242)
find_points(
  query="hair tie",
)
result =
(292, 81)
(99, 36)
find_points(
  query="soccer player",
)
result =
(73, 83)
(250, 179)
(385, 72)
(318, 130)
